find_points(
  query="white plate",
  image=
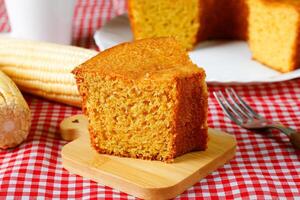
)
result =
(223, 61)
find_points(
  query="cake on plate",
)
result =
(271, 27)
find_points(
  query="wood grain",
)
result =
(140, 178)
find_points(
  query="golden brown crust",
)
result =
(145, 56)
(190, 130)
(82, 89)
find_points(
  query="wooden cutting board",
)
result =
(140, 178)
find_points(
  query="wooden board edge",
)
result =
(147, 193)
(194, 178)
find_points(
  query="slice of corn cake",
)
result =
(144, 99)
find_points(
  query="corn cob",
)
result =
(43, 69)
(15, 117)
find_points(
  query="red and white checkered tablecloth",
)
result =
(264, 167)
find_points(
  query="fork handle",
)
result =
(291, 133)
(295, 139)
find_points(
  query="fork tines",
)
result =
(235, 107)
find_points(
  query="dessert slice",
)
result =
(274, 33)
(144, 99)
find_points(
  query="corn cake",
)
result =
(144, 99)
(271, 27)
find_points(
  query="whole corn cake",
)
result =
(144, 99)
(271, 27)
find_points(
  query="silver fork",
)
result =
(243, 115)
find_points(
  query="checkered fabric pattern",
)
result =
(265, 167)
